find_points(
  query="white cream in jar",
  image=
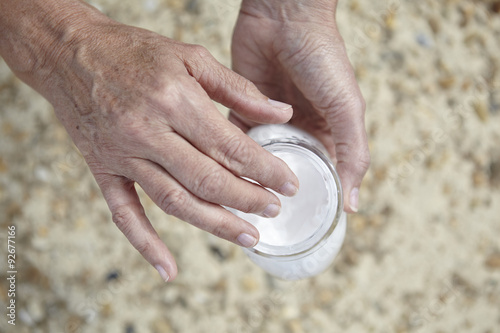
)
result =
(305, 237)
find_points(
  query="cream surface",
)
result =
(302, 214)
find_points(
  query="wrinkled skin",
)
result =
(138, 106)
(296, 55)
(151, 121)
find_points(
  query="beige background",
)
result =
(423, 254)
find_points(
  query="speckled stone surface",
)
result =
(423, 254)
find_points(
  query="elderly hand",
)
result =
(138, 106)
(293, 52)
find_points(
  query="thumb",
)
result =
(350, 151)
(327, 81)
(233, 90)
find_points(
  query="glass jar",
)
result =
(306, 236)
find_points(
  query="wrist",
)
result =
(306, 11)
(38, 36)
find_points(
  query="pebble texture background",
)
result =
(423, 254)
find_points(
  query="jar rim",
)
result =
(284, 252)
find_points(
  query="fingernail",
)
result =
(353, 199)
(289, 189)
(246, 240)
(162, 272)
(271, 210)
(279, 105)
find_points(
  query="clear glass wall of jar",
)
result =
(308, 234)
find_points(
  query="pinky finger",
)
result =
(129, 216)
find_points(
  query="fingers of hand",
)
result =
(175, 200)
(207, 130)
(234, 91)
(210, 181)
(128, 215)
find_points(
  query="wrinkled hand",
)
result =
(138, 106)
(293, 52)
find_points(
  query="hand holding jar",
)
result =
(293, 52)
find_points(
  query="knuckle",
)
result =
(170, 93)
(357, 105)
(358, 160)
(334, 106)
(327, 103)
(255, 202)
(342, 151)
(247, 87)
(173, 202)
(201, 52)
(220, 228)
(236, 154)
(143, 247)
(123, 218)
(364, 160)
(170, 89)
(251, 206)
(198, 61)
(211, 182)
